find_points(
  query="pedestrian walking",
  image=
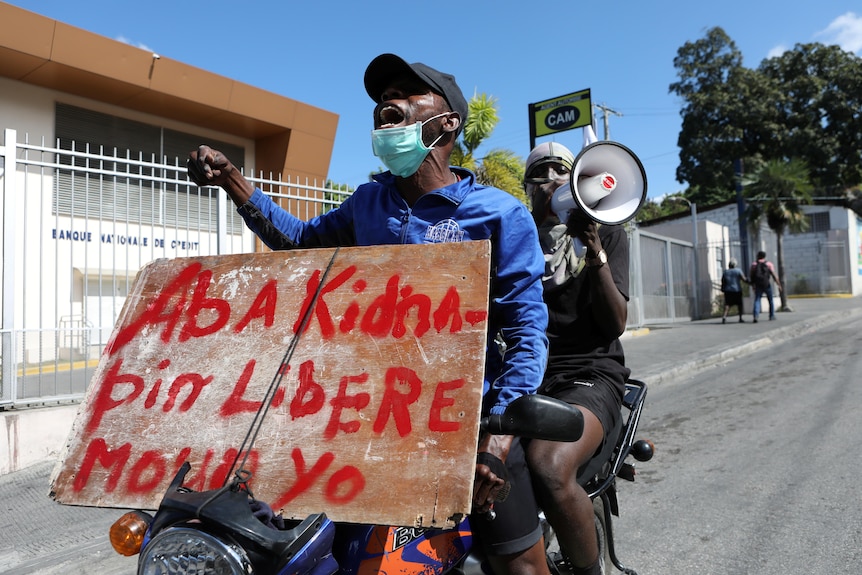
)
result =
(762, 273)
(731, 286)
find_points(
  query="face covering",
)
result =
(540, 188)
(402, 149)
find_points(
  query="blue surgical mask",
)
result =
(402, 149)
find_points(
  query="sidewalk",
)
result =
(661, 353)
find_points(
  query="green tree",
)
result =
(775, 191)
(706, 70)
(500, 168)
(653, 209)
(650, 210)
(820, 112)
(804, 103)
(332, 199)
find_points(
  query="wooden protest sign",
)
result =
(376, 417)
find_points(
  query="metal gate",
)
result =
(76, 228)
(661, 279)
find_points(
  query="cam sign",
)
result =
(560, 114)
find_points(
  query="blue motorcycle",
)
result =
(226, 531)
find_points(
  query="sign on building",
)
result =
(375, 417)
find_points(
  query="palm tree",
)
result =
(776, 190)
(500, 168)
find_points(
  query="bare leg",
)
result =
(529, 562)
(566, 504)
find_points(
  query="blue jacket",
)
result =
(376, 214)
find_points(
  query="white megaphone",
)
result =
(607, 182)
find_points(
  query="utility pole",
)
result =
(741, 215)
(605, 113)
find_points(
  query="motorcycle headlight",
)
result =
(190, 551)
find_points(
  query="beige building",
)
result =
(94, 136)
(44, 62)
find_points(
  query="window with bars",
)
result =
(817, 222)
(125, 170)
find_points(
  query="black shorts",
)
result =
(516, 525)
(733, 298)
(599, 396)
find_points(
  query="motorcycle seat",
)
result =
(602, 456)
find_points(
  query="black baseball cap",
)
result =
(385, 67)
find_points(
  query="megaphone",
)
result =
(607, 182)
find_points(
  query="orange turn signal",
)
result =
(127, 532)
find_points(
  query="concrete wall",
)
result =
(28, 436)
(811, 259)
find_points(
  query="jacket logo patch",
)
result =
(445, 231)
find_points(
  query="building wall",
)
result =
(855, 241)
(30, 436)
(76, 229)
(43, 62)
(29, 110)
(42, 52)
(817, 262)
(807, 250)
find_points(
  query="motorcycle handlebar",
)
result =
(537, 417)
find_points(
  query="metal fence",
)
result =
(77, 227)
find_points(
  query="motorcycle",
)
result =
(226, 531)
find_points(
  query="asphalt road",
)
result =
(756, 465)
(38, 535)
(756, 433)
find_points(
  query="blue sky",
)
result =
(518, 52)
